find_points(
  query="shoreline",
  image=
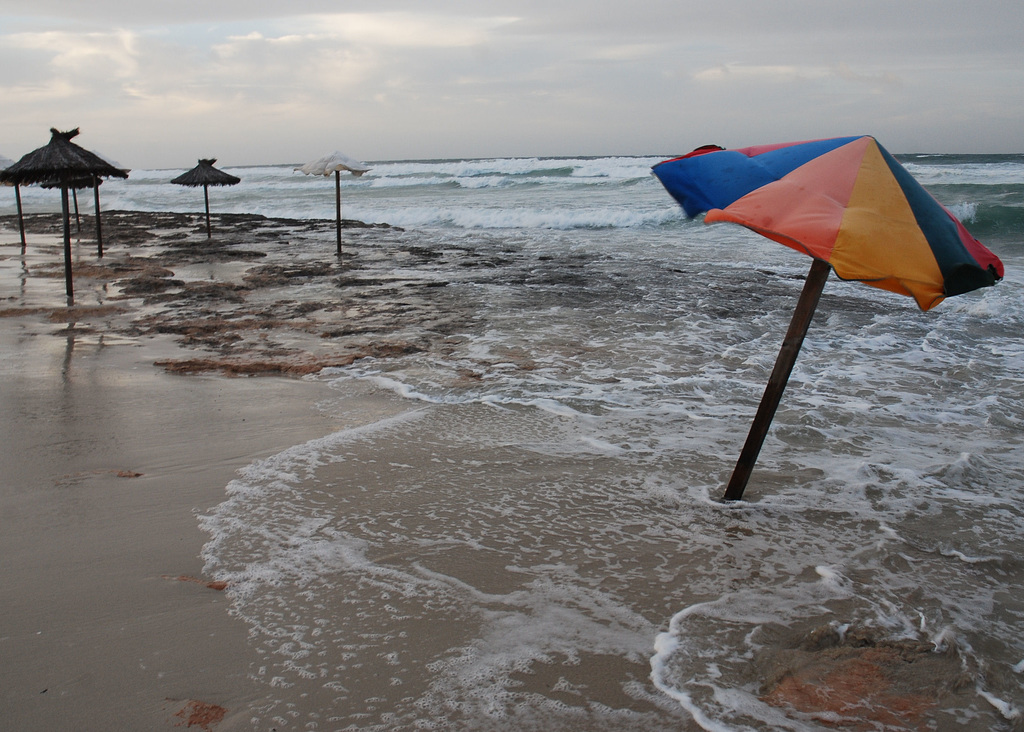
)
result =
(113, 450)
(110, 454)
(222, 296)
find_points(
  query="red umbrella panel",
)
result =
(846, 201)
(849, 204)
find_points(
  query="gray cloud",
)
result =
(259, 82)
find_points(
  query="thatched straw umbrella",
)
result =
(206, 175)
(75, 186)
(62, 162)
(93, 182)
(335, 163)
(96, 195)
(4, 164)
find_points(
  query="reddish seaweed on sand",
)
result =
(195, 713)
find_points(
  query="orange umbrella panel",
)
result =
(846, 201)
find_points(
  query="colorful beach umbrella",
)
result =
(335, 163)
(206, 175)
(851, 206)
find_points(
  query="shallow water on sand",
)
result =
(521, 526)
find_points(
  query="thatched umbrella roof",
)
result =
(62, 161)
(74, 186)
(5, 163)
(206, 175)
(77, 183)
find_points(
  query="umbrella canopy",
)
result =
(4, 164)
(63, 162)
(335, 163)
(851, 206)
(846, 201)
(206, 175)
(74, 186)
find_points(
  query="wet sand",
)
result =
(180, 361)
(109, 452)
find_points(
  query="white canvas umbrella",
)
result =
(335, 163)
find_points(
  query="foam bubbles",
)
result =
(536, 532)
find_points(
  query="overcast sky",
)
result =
(160, 83)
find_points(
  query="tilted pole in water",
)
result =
(21, 216)
(805, 308)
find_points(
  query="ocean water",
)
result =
(522, 529)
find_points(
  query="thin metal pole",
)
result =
(337, 197)
(206, 199)
(99, 226)
(802, 315)
(78, 216)
(69, 285)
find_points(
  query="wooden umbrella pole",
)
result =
(337, 197)
(206, 200)
(78, 217)
(805, 308)
(21, 216)
(69, 285)
(99, 225)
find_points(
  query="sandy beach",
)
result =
(109, 453)
(503, 511)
